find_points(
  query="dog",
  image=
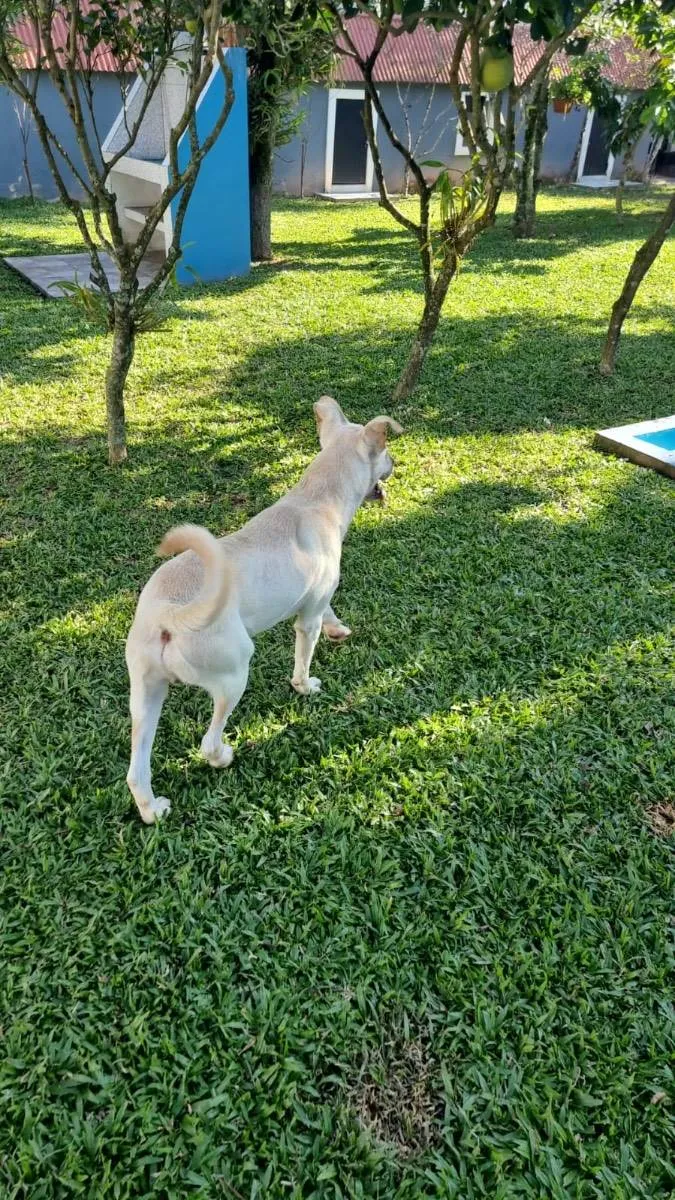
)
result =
(198, 614)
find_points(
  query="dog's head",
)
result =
(370, 441)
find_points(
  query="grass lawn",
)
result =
(414, 943)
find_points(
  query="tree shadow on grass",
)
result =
(92, 529)
(44, 219)
(31, 325)
(20, 245)
(492, 373)
(487, 590)
(249, 428)
(391, 254)
(386, 261)
(451, 829)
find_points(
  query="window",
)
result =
(461, 147)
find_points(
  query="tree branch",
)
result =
(385, 199)
(367, 67)
(185, 181)
(552, 48)
(455, 88)
(11, 78)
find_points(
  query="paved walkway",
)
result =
(44, 271)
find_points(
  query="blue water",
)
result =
(665, 438)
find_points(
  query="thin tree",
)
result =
(430, 129)
(144, 37)
(536, 126)
(653, 26)
(452, 215)
(24, 122)
(643, 260)
(580, 81)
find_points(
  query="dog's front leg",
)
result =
(333, 627)
(307, 630)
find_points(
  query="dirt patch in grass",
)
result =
(397, 1098)
(661, 818)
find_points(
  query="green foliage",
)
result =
(416, 942)
(547, 19)
(653, 28)
(135, 34)
(288, 46)
(88, 300)
(461, 203)
(97, 311)
(585, 83)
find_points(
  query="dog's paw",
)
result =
(158, 808)
(306, 687)
(337, 633)
(221, 756)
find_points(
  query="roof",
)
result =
(24, 32)
(425, 56)
(420, 57)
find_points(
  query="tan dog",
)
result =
(198, 613)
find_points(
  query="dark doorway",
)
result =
(597, 151)
(350, 148)
(665, 160)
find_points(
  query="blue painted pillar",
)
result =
(216, 236)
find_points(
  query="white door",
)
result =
(595, 159)
(349, 163)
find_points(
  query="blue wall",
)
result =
(216, 233)
(437, 126)
(288, 176)
(436, 122)
(562, 139)
(107, 102)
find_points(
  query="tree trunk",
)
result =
(303, 163)
(425, 333)
(123, 346)
(29, 180)
(528, 178)
(618, 202)
(571, 176)
(260, 168)
(639, 267)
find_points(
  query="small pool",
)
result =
(665, 438)
(649, 443)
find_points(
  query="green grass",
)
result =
(414, 943)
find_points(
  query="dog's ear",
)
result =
(375, 433)
(329, 418)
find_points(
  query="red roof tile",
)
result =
(420, 57)
(425, 56)
(25, 33)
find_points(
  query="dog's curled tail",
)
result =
(204, 609)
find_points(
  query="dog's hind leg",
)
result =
(307, 630)
(225, 698)
(333, 627)
(148, 693)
